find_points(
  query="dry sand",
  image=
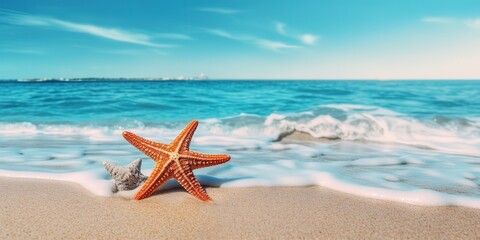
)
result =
(42, 209)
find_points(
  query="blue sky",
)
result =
(312, 39)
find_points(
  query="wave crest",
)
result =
(343, 122)
(381, 125)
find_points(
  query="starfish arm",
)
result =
(182, 141)
(174, 160)
(188, 181)
(158, 177)
(155, 150)
(198, 160)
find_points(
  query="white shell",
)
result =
(128, 177)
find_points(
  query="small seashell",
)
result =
(126, 177)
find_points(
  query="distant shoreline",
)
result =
(137, 79)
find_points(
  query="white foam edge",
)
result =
(87, 179)
(422, 197)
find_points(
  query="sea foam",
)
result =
(369, 151)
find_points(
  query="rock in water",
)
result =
(128, 177)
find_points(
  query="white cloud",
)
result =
(273, 45)
(103, 32)
(474, 23)
(176, 36)
(260, 42)
(280, 27)
(437, 20)
(226, 11)
(224, 34)
(308, 38)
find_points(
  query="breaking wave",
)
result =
(376, 152)
(342, 122)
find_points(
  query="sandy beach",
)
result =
(39, 209)
(297, 119)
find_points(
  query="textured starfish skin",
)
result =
(175, 160)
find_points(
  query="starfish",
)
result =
(126, 178)
(175, 160)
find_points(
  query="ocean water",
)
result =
(410, 141)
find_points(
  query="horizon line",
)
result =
(241, 79)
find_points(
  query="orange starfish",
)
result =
(175, 160)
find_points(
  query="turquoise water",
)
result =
(169, 101)
(410, 141)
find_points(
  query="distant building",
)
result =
(202, 76)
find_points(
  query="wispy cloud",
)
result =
(224, 34)
(274, 45)
(280, 27)
(474, 23)
(437, 20)
(226, 11)
(175, 36)
(308, 38)
(260, 42)
(114, 34)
